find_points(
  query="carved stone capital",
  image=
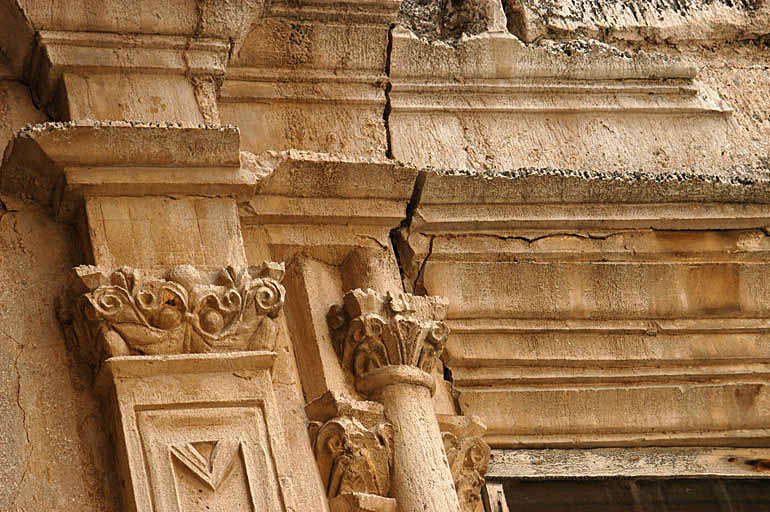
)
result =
(127, 312)
(468, 456)
(371, 330)
(351, 457)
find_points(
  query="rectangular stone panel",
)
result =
(199, 432)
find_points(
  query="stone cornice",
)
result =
(299, 187)
(549, 198)
(89, 53)
(58, 164)
(126, 312)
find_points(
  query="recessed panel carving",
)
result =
(209, 458)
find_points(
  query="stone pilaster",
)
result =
(390, 343)
(180, 330)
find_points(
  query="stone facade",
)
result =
(384, 255)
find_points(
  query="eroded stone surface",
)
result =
(54, 449)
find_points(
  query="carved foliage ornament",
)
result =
(186, 311)
(352, 458)
(371, 330)
(468, 456)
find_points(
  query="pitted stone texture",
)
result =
(645, 20)
(54, 451)
(450, 20)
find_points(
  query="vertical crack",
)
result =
(400, 234)
(418, 286)
(17, 371)
(388, 87)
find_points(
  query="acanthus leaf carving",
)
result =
(351, 457)
(371, 330)
(468, 456)
(127, 312)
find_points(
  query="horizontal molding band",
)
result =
(603, 373)
(122, 41)
(551, 108)
(728, 438)
(500, 97)
(469, 218)
(673, 414)
(306, 76)
(675, 462)
(275, 91)
(506, 87)
(650, 327)
(292, 210)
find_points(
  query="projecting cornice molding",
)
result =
(58, 164)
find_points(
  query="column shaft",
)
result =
(422, 481)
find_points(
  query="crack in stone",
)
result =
(418, 286)
(582, 236)
(19, 404)
(368, 237)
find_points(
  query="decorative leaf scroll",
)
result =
(468, 456)
(186, 311)
(351, 457)
(371, 330)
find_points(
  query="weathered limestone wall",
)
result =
(54, 450)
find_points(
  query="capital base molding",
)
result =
(198, 432)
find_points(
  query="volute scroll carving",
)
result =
(468, 456)
(371, 330)
(351, 457)
(187, 310)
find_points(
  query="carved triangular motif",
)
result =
(211, 461)
(205, 450)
